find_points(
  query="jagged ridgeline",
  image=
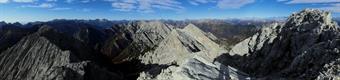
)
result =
(77, 50)
(305, 47)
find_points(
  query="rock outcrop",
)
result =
(133, 39)
(188, 54)
(23, 60)
(297, 49)
(35, 57)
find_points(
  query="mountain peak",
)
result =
(192, 27)
(311, 15)
(311, 20)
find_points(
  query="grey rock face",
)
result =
(36, 58)
(24, 60)
(197, 68)
(134, 39)
(297, 49)
(256, 42)
(331, 71)
(189, 54)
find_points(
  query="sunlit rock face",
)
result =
(189, 55)
(132, 39)
(297, 49)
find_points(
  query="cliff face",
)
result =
(298, 48)
(131, 40)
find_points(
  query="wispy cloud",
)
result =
(24, 1)
(197, 2)
(42, 5)
(223, 4)
(3, 1)
(146, 6)
(312, 1)
(233, 4)
(121, 6)
(328, 5)
(82, 1)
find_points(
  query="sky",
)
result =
(45, 10)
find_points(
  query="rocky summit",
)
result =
(305, 47)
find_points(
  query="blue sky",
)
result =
(44, 10)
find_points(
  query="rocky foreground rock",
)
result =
(305, 47)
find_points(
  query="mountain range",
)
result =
(304, 47)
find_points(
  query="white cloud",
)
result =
(328, 5)
(223, 4)
(3, 1)
(198, 2)
(86, 1)
(146, 6)
(233, 4)
(24, 1)
(312, 1)
(82, 1)
(43, 5)
(123, 6)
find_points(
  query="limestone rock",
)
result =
(198, 68)
(25, 60)
(297, 49)
(35, 57)
(189, 54)
(256, 42)
(134, 39)
(181, 44)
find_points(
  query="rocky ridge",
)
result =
(189, 54)
(297, 49)
(143, 49)
(36, 57)
(305, 47)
